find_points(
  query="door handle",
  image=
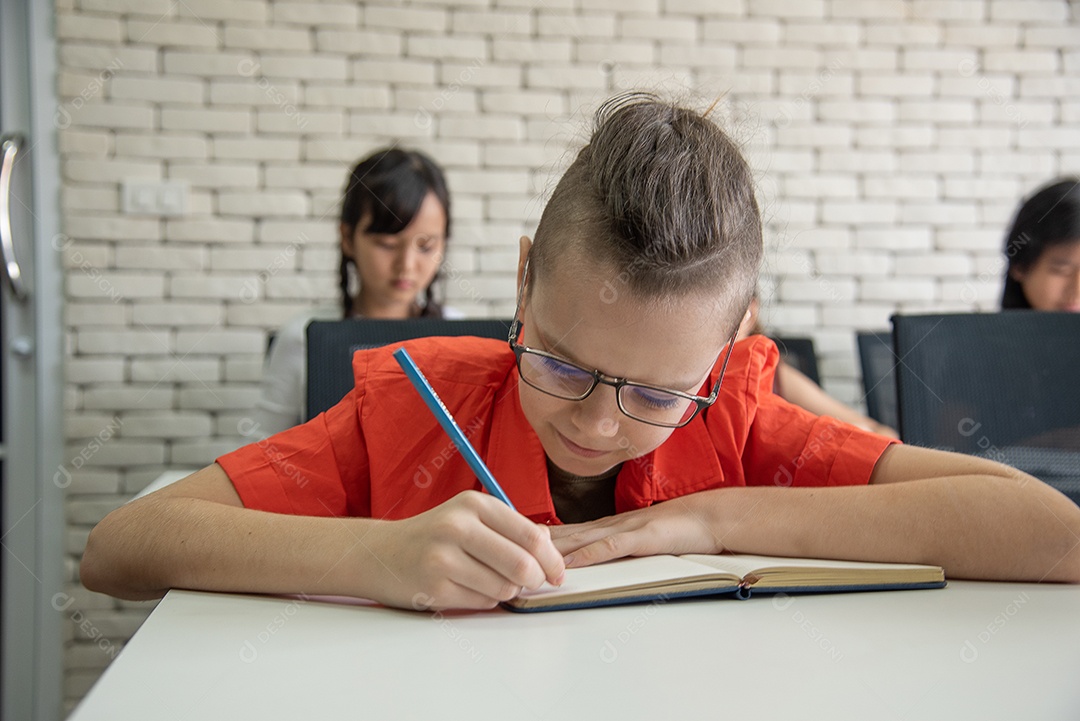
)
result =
(12, 271)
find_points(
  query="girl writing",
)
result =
(622, 401)
(395, 221)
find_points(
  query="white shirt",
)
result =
(283, 398)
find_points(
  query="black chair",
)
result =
(997, 385)
(878, 377)
(799, 353)
(331, 345)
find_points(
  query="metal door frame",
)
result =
(33, 547)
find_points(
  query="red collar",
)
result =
(516, 457)
(685, 463)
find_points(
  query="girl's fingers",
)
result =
(456, 596)
(472, 552)
(569, 529)
(476, 576)
(533, 539)
(569, 539)
(503, 559)
(608, 548)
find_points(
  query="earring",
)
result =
(352, 285)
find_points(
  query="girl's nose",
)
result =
(1072, 290)
(598, 415)
(407, 257)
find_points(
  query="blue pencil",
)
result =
(442, 415)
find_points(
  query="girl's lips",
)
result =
(404, 284)
(579, 450)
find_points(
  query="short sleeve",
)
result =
(319, 468)
(790, 446)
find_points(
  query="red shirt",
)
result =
(380, 453)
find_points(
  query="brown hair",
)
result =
(1049, 217)
(662, 196)
(385, 191)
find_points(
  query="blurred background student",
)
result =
(1043, 250)
(394, 226)
(794, 386)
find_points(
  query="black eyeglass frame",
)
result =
(700, 402)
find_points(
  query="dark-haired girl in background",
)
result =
(395, 221)
(1043, 250)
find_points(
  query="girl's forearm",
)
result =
(143, 549)
(984, 527)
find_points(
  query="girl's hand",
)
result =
(678, 526)
(470, 552)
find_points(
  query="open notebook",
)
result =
(651, 578)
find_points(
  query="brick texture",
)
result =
(891, 141)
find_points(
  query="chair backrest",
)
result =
(799, 353)
(878, 362)
(998, 385)
(331, 345)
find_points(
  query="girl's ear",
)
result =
(749, 319)
(346, 232)
(1017, 274)
(524, 244)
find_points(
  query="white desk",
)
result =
(971, 651)
(165, 479)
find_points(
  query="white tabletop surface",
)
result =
(165, 479)
(970, 651)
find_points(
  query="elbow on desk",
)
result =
(1067, 521)
(1068, 570)
(100, 571)
(1065, 555)
(94, 569)
(91, 573)
(1072, 560)
(1046, 528)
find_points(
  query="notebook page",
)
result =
(622, 573)
(741, 565)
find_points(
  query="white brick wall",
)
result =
(891, 140)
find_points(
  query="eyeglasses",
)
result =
(548, 373)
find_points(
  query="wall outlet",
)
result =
(154, 197)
